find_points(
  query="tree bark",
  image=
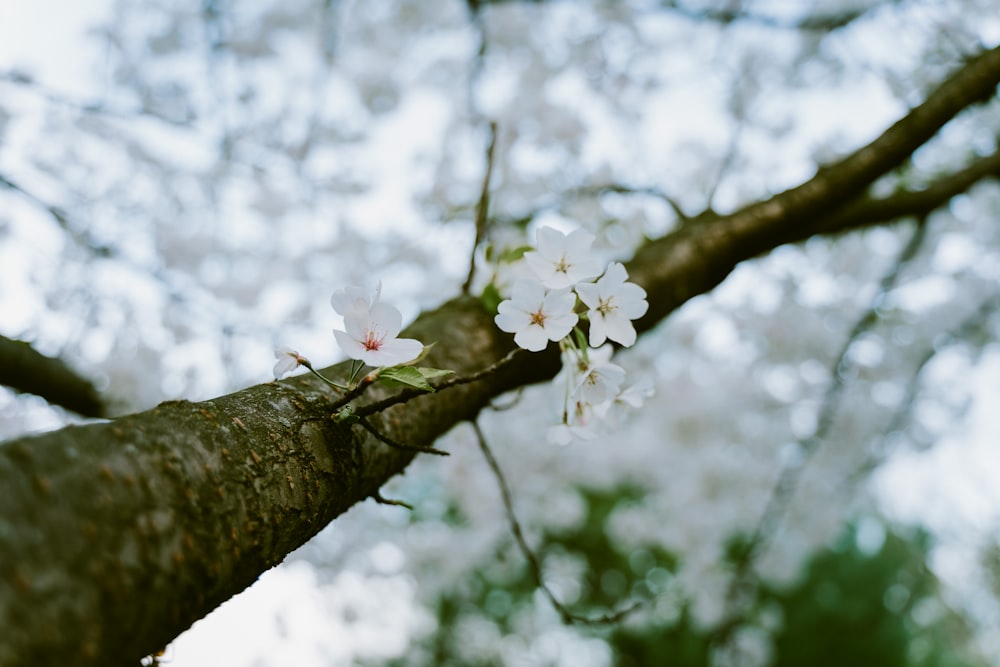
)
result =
(115, 537)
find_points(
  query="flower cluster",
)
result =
(369, 337)
(545, 309)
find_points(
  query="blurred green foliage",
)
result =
(867, 599)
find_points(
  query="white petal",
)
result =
(559, 326)
(395, 351)
(551, 243)
(543, 268)
(578, 243)
(615, 275)
(589, 293)
(510, 318)
(351, 346)
(386, 320)
(620, 330)
(632, 310)
(527, 294)
(559, 435)
(285, 365)
(344, 299)
(558, 302)
(598, 331)
(532, 338)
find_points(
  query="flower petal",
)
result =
(350, 345)
(532, 338)
(620, 330)
(598, 331)
(385, 319)
(510, 318)
(395, 351)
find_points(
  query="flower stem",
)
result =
(338, 387)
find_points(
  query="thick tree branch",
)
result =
(115, 537)
(24, 369)
(669, 268)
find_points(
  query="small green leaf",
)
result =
(433, 373)
(514, 254)
(491, 298)
(404, 376)
(346, 415)
(423, 353)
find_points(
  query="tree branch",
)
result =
(24, 369)
(116, 537)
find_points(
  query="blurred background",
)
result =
(183, 184)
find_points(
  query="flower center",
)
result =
(538, 318)
(606, 307)
(373, 341)
(562, 266)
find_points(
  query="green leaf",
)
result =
(491, 298)
(404, 376)
(433, 373)
(346, 415)
(513, 254)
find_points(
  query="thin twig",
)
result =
(409, 393)
(902, 415)
(529, 555)
(482, 208)
(790, 476)
(365, 424)
(382, 500)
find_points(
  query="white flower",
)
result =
(563, 434)
(597, 380)
(561, 260)
(535, 316)
(371, 328)
(288, 361)
(353, 298)
(613, 304)
(635, 395)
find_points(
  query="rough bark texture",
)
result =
(115, 537)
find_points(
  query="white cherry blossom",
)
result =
(596, 380)
(613, 303)
(562, 260)
(371, 329)
(288, 361)
(536, 316)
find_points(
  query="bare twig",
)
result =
(536, 568)
(381, 437)
(382, 500)
(407, 394)
(902, 415)
(791, 474)
(482, 208)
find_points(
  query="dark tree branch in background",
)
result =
(62, 219)
(24, 369)
(819, 22)
(743, 578)
(482, 207)
(734, 13)
(115, 537)
(965, 332)
(868, 210)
